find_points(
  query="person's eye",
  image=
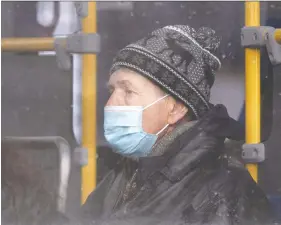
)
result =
(110, 90)
(129, 92)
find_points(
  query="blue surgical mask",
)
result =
(123, 130)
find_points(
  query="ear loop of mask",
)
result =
(151, 104)
(164, 128)
(159, 132)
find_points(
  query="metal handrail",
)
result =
(89, 70)
(27, 44)
(252, 85)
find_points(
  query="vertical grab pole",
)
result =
(277, 35)
(88, 183)
(252, 85)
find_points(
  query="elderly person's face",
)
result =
(128, 88)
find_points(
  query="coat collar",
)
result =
(200, 145)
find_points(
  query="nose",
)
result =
(115, 99)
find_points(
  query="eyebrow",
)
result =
(122, 83)
(125, 83)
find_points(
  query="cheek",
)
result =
(132, 99)
(154, 119)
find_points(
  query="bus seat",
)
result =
(51, 156)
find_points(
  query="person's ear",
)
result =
(177, 112)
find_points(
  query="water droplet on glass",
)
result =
(132, 14)
(229, 44)
(182, 6)
(157, 22)
(223, 56)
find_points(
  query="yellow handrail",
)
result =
(27, 44)
(88, 181)
(277, 35)
(252, 85)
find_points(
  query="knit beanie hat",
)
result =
(179, 59)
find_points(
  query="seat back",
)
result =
(50, 156)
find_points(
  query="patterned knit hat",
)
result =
(178, 59)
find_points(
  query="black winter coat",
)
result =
(192, 183)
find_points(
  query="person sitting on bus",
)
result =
(174, 167)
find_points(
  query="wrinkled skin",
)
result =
(128, 88)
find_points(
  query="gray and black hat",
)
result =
(178, 59)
